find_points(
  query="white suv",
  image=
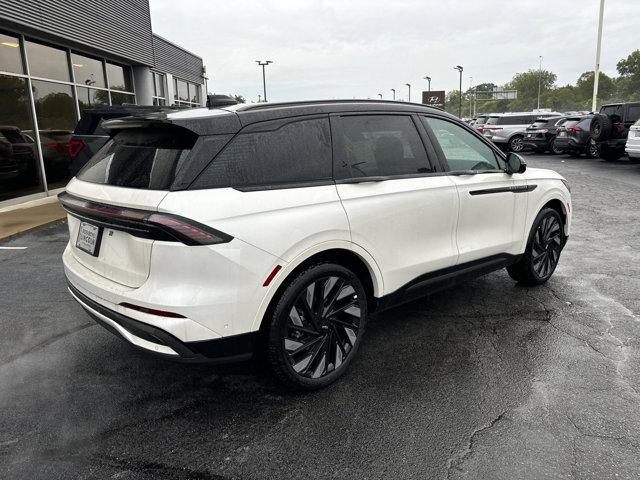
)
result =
(208, 233)
(632, 146)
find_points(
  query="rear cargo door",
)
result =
(132, 171)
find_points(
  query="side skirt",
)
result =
(429, 283)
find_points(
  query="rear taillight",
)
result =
(574, 129)
(74, 147)
(142, 223)
(58, 147)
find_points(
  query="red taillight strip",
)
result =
(151, 311)
(158, 226)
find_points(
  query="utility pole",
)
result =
(394, 93)
(596, 74)
(409, 85)
(460, 69)
(264, 81)
(428, 79)
(539, 79)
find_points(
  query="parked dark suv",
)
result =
(573, 137)
(540, 135)
(610, 127)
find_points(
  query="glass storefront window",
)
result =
(87, 71)
(194, 91)
(158, 85)
(120, 98)
(56, 113)
(91, 98)
(182, 91)
(10, 56)
(159, 102)
(47, 62)
(119, 77)
(18, 153)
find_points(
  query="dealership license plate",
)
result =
(562, 134)
(89, 238)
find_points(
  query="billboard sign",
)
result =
(434, 98)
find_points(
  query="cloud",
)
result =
(346, 49)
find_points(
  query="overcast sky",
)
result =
(345, 49)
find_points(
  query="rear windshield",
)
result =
(140, 158)
(492, 120)
(480, 121)
(571, 122)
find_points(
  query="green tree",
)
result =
(238, 98)
(584, 89)
(629, 82)
(527, 86)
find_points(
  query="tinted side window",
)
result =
(634, 113)
(379, 145)
(462, 149)
(296, 152)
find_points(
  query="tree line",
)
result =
(623, 88)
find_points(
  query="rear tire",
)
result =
(592, 149)
(610, 154)
(516, 144)
(542, 254)
(554, 149)
(315, 328)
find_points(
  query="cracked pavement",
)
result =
(488, 380)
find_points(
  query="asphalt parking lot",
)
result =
(485, 381)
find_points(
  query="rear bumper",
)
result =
(569, 145)
(633, 149)
(152, 339)
(540, 143)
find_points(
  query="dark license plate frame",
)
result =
(98, 240)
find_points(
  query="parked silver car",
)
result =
(507, 130)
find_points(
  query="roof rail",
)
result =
(257, 106)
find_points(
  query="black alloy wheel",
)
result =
(317, 326)
(592, 149)
(554, 149)
(541, 257)
(547, 245)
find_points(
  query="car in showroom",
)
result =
(541, 134)
(275, 230)
(507, 130)
(573, 137)
(610, 128)
(632, 146)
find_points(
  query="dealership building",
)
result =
(59, 58)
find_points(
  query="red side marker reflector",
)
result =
(152, 311)
(273, 273)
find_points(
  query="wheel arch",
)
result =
(555, 203)
(351, 256)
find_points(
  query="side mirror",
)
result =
(515, 163)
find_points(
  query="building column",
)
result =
(143, 84)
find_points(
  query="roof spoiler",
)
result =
(217, 101)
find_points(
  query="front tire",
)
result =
(315, 329)
(541, 257)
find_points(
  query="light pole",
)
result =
(596, 74)
(380, 96)
(539, 80)
(409, 85)
(470, 102)
(394, 93)
(428, 79)
(460, 69)
(264, 81)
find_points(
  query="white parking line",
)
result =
(13, 248)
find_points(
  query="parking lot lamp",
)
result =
(264, 81)
(539, 79)
(409, 85)
(380, 95)
(460, 69)
(428, 79)
(596, 74)
(394, 93)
